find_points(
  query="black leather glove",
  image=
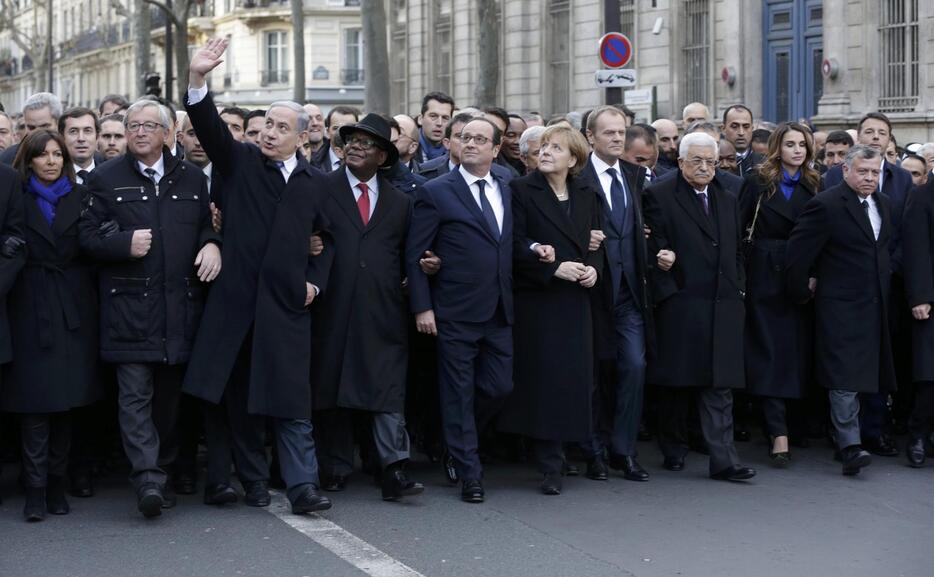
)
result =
(108, 228)
(11, 245)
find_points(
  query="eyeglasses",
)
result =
(361, 142)
(146, 126)
(698, 162)
(466, 138)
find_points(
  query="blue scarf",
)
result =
(788, 183)
(47, 197)
(429, 150)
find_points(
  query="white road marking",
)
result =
(341, 542)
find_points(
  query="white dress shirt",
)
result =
(208, 172)
(606, 181)
(875, 219)
(881, 176)
(372, 186)
(335, 161)
(491, 191)
(89, 169)
(159, 167)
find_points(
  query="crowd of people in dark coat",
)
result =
(303, 294)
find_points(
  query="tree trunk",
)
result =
(181, 54)
(376, 56)
(487, 54)
(141, 33)
(298, 51)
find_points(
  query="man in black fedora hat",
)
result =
(359, 333)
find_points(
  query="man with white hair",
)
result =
(252, 354)
(41, 110)
(529, 143)
(926, 151)
(693, 217)
(693, 112)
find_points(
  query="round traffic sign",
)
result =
(615, 50)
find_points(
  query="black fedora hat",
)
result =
(377, 127)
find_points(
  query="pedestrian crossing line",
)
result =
(339, 541)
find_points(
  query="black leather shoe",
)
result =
(915, 452)
(780, 460)
(396, 484)
(169, 498)
(450, 469)
(184, 483)
(854, 458)
(596, 469)
(149, 500)
(735, 474)
(335, 483)
(310, 501)
(472, 491)
(631, 468)
(82, 484)
(673, 463)
(35, 504)
(551, 485)
(219, 495)
(55, 501)
(644, 433)
(881, 446)
(570, 470)
(256, 494)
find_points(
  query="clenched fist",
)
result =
(141, 243)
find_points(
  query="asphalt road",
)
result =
(803, 521)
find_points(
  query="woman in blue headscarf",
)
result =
(53, 322)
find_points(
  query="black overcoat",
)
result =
(11, 224)
(834, 242)
(699, 313)
(360, 322)
(778, 338)
(266, 225)
(53, 316)
(553, 330)
(918, 250)
(150, 306)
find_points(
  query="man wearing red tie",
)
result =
(360, 332)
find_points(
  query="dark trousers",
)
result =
(474, 376)
(773, 409)
(630, 376)
(45, 439)
(922, 415)
(422, 407)
(335, 434)
(873, 414)
(548, 455)
(845, 415)
(95, 428)
(147, 401)
(230, 429)
(190, 419)
(715, 411)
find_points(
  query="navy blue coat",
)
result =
(476, 274)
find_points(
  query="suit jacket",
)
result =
(261, 290)
(439, 166)
(727, 181)
(11, 224)
(834, 242)
(8, 155)
(749, 163)
(476, 274)
(360, 329)
(706, 285)
(896, 184)
(918, 247)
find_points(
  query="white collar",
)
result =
(158, 166)
(89, 168)
(470, 178)
(701, 191)
(600, 167)
(371, 184)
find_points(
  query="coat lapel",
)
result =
(886, 214)
(36, 221)
(544, 198)
(344, 196)
(67, 212)
(687, 198)
(855, 209)
(384, 202)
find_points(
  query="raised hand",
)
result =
(205, 60)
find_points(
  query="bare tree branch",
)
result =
(119, 8)
(168, 12)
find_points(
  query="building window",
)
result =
(397, 55)
(695, 51)
(898, 40)
(441, 45)
(276, 71)
(627, 19)
(352, 72)
(559, 56)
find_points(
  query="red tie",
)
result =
(363, 203)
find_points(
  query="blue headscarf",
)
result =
(788, 183)
(47, 197)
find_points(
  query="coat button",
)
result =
(196, 196)
(362, 264)
(145, 198)
(119, 199)
(174, 197)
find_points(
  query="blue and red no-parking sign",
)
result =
(615, 50)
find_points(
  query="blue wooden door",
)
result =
(792, 83)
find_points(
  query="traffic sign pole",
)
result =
(612, 23)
